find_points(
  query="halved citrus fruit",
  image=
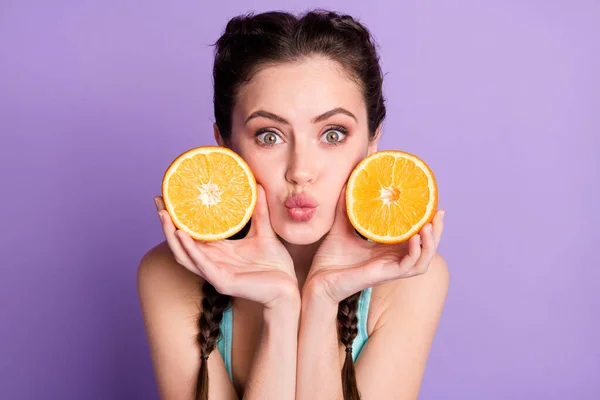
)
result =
(210, 192)
(390, 196)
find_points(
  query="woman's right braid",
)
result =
(347, 320)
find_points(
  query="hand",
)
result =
(257, 267)
(346, 264)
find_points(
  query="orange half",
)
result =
(390, 196)
(210, 192)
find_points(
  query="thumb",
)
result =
(261, 223)
(341, 223)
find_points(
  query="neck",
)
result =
(302, 256)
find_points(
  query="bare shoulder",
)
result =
(406, 313)
(427, 291)
(158, 267)
(170, 297)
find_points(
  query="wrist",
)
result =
(282, 315)
(286, 304)
(315, 297)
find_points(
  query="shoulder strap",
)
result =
(224, 341)
(363, 311)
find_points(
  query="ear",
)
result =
(373, 143)
(218, 137)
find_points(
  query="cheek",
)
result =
(266, 171)
(340, 167)
(245, 148)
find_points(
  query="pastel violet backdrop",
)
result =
(501, 98)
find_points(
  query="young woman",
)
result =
(298, 305)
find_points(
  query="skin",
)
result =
(288, 277)
(303, 158)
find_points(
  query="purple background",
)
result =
(501, 98)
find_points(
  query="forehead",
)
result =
(301, 90)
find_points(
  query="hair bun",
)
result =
(239, 25)
(236, 30)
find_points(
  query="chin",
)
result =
(300, 234)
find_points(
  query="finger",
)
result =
(428, 250)
(407, 263)
(414, 249)
(438, 227)
(261, 222)
(169, 230)
(341, 223)
(160, 203)
(204, 266)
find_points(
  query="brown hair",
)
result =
(254, 41)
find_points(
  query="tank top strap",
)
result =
(362, 314)
(225, 339)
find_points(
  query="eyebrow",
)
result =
(322, 117)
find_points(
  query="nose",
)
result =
(302, 167)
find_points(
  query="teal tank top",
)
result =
(224, 341)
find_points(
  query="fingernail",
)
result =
(156, 202)
(443, 213)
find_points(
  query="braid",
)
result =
(209, 320)
(347, 329)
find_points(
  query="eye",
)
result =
(268, 138)
(335, 136)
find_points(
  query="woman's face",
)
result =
(302, 128)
